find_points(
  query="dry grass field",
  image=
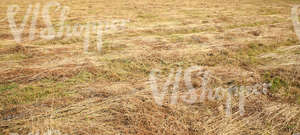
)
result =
(54, 84)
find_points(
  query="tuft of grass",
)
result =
(278, 83)
(298, 100)
(6, 87)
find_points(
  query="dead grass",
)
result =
(53, 84)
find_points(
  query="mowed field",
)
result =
(54, 84)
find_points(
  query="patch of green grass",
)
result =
(109, 47)
(247, 56)
(43, 89)
(172, 31)
(277, 83)
(296, 51)
(290, 127)
(125, 69)
(176, 38)
(14, 56)
(269, 11)
(147, 17)
(25, 94)
(83, 77)
(6, 87)
(59, 41)
(298, 100)
(255, 24)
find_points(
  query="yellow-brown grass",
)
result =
(55, 85)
